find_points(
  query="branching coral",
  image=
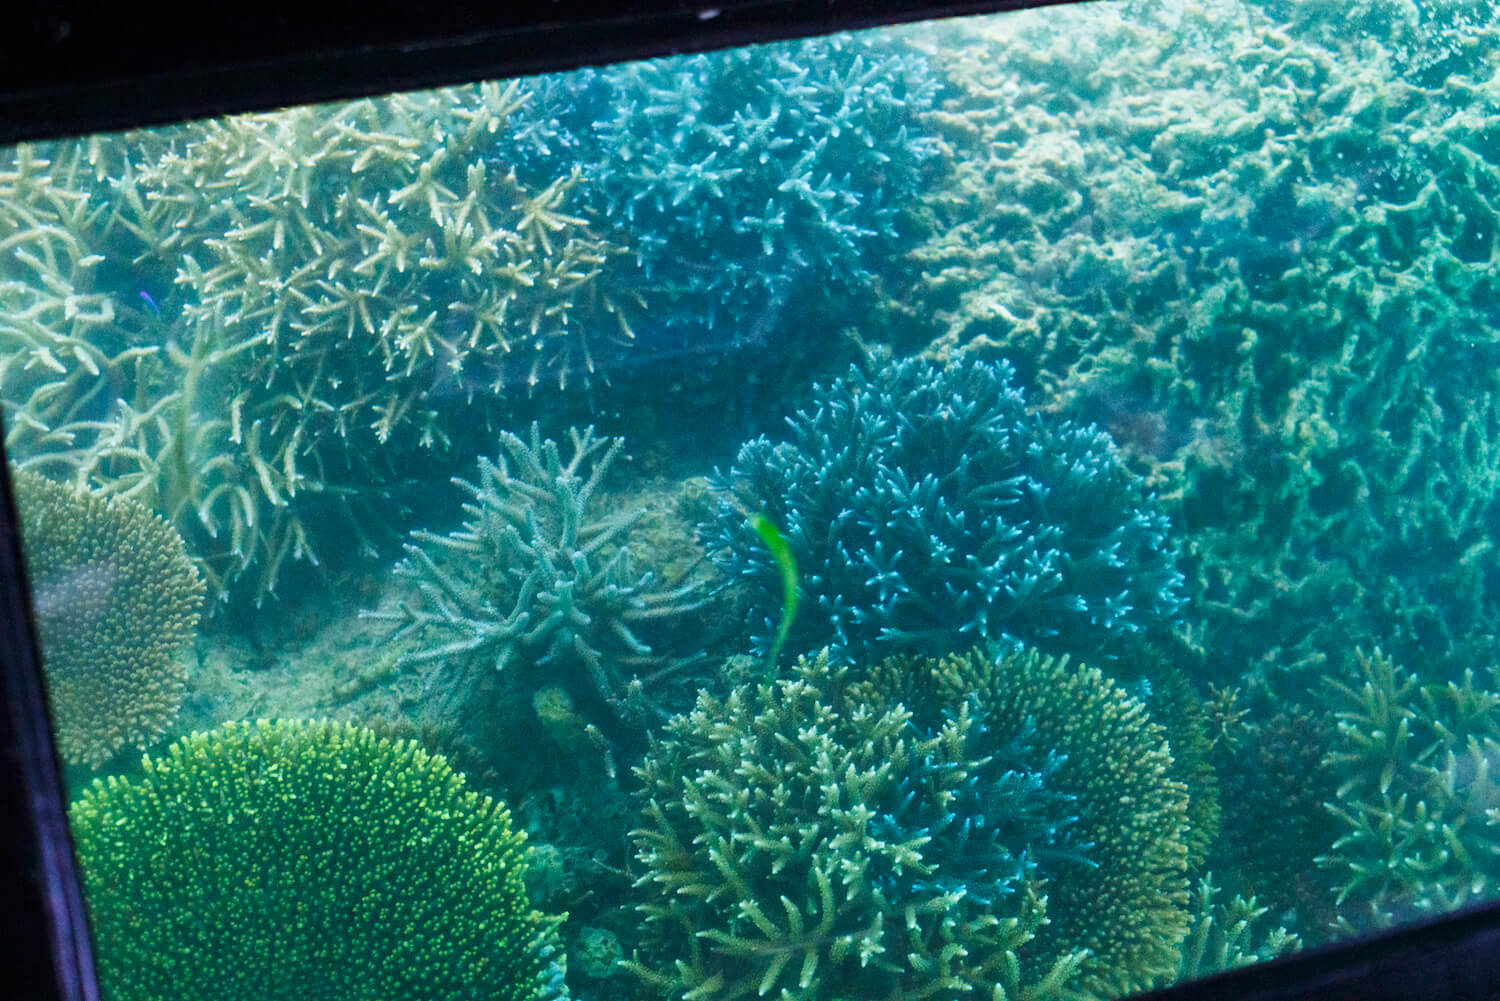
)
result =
(897, 833)
(930, 508)
(228, 319)
(308, 860)
(743, 172)
(1125, 903)
(1416, 804)
(537, 576)
(1225, 935)
(806, 841)
(117, 600)
(1273, 285)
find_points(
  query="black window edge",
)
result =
(46, 944)
(73, 69)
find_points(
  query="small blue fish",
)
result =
(150, 302)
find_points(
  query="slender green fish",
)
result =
(781, 552)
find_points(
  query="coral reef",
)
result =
(1273, 768)
(1417, 809)
(538, 577)
(116, 601)
(310, 295)
(902, 832)
(745, 176)
(1124, 902)
(930, 508)
(308, 859)
(1271, 284)
(788, 851)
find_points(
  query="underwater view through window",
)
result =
(1000, 508)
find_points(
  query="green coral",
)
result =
(1271, 284)
(1225, 935)
(766, 873)
(537, 575)
(116, 601)
(307, 860)
(1417, 806)
(904, 833)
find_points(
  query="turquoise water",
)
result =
(995, 508)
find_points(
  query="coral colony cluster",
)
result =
(1100, 459)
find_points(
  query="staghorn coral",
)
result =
(307, 859)
(1416, 806)
(902, 832)
(1261, 257)
(747, 175)
(228, 319)
(930, 508)
(116, 602)
(804, 840)
(536, 577)
(1226, 935)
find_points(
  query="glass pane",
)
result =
(997, 508)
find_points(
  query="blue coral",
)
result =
(984, 823)
(930, 508)
(740, 174)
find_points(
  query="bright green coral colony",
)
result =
(308, 860)
(117, 601)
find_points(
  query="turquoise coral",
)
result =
(929, 508)
(309, 860)
(539, 576)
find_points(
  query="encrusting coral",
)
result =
(1273, 284)
(930, 508)
(905, 831)
(538, 576)
(308, 860)
(116, 601)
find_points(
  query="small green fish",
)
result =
(781, 552)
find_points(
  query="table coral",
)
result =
(116, 601)
(930, 508)
(308, 859)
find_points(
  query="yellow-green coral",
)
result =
(904, 831)
(307, 860)
(116, 600)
